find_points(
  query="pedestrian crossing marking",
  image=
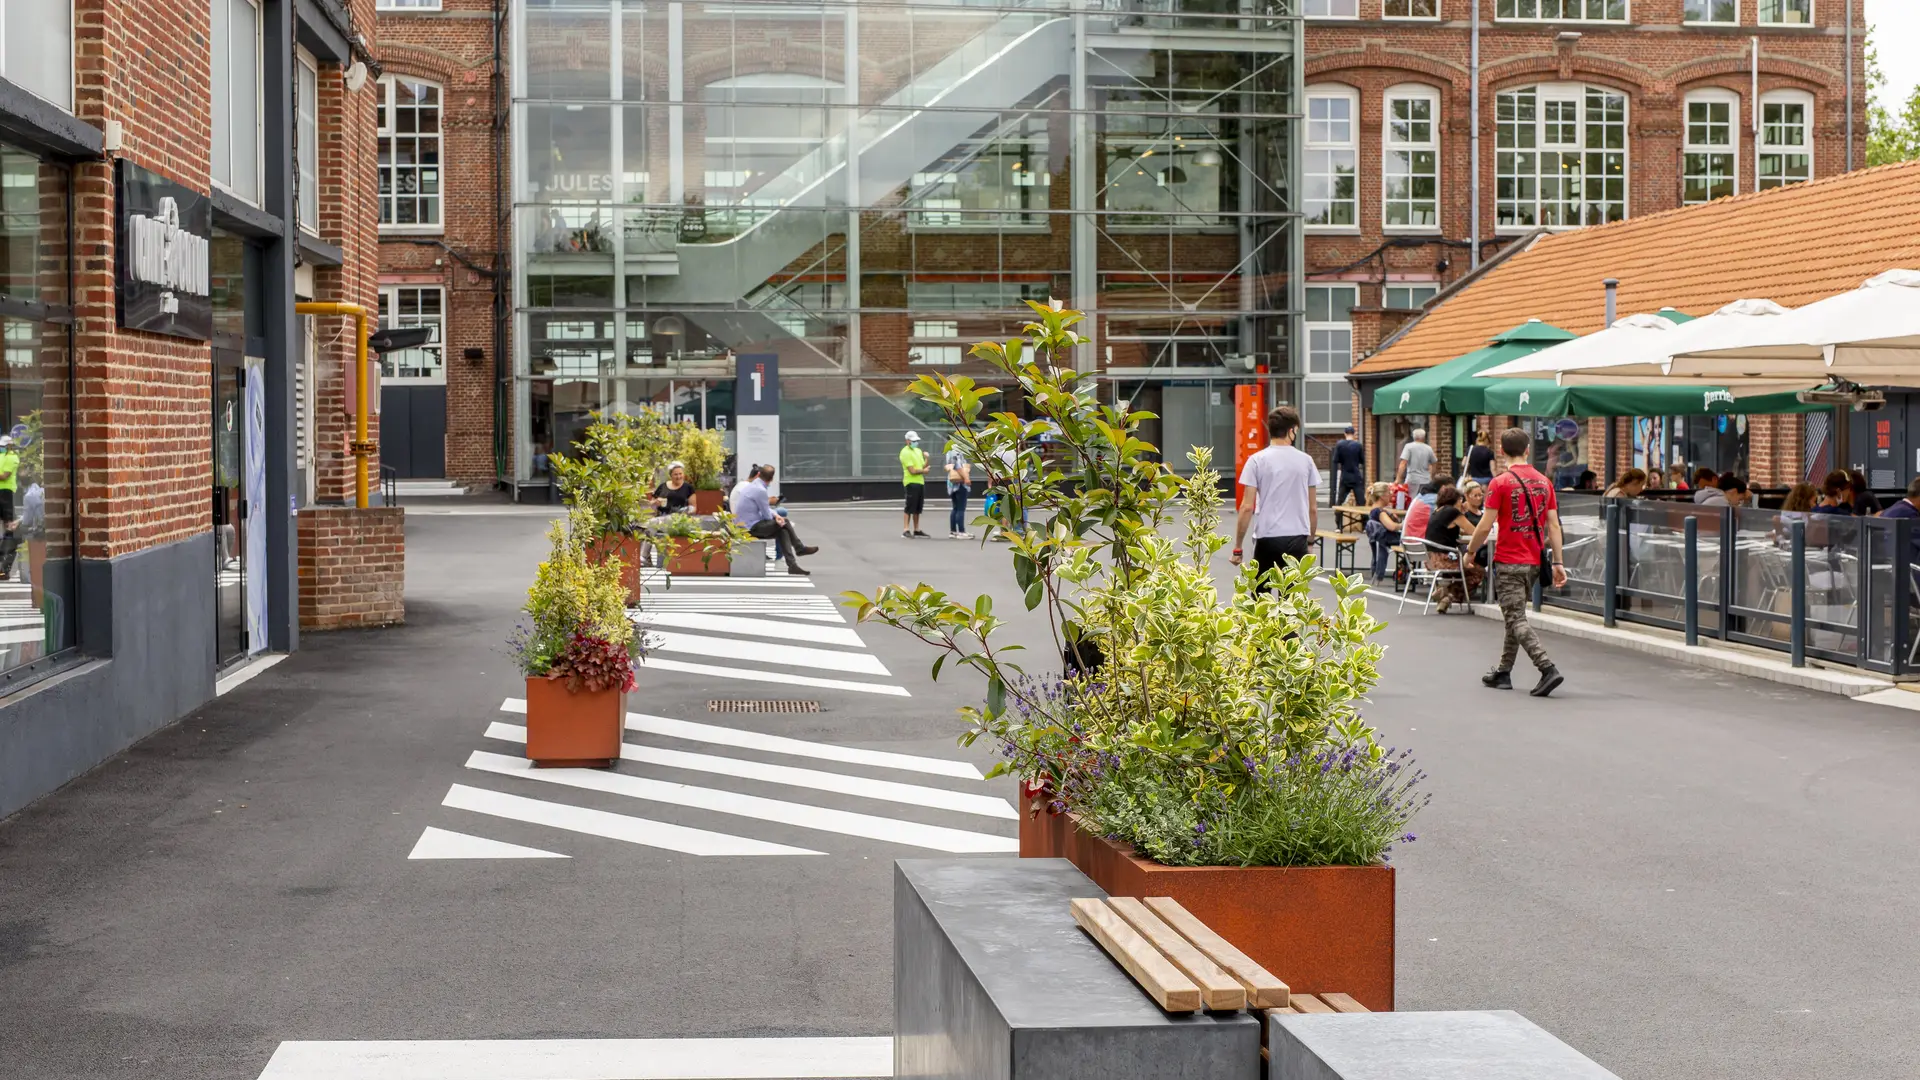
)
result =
(740, 738)
(822, 819)
(823, 615)
(661, 663)
(584, 1059)
(792, 776)
(691, 620)
(444, 844)
(770, 583)
(634, 830)
(765, 652)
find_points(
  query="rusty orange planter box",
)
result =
(569, 729)
(1321, 929)
(632, 551)
(707, 500)
(697, 558)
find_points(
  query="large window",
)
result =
(1327, 398)
(1710, 162)
(1330, 9)
(986, 183)
(1162, 170)
(1786, 12)
(409, 306)
(1785, 153)
(1408, 297)
(1716, 12)
(235, 52)
(38, 613)
(1332, 196)
(1563, 10)
(936, 343)
(759, 126)
(409, 125)
(1413, 9)
(1410, 159)
(407, 5)
(1560, 156)
(306, 151)
(36, 48)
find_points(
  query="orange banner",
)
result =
(1249, 428)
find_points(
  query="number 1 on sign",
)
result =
(757, 376)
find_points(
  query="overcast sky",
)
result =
(1896, 37)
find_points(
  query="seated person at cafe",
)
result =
(1629, 486)
(1443, 531)
(1865, 502)
(1734, 490)
(1836, 494)
(1908, 507)
(1800, 501)
(1422, 508)
(1706, 488)
(1382, 527)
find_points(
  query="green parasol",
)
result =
(1451, 387)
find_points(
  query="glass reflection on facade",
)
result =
(867, 189)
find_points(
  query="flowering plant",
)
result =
(577, 627)
(1200, 729)
(610, 470)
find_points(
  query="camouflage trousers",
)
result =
(1513, 591)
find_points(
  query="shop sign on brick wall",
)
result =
(163, 235)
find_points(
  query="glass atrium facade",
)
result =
(866, 189)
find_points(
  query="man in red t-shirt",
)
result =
(1521, 502)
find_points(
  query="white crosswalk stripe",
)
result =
(765, 652)
(735, 624)
(584, 1059)
(634, 830)
(778, 678)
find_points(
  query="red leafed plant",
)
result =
(592, 663)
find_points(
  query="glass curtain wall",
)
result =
(865, 190)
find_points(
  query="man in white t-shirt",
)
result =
(1279, 501)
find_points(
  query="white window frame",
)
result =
(388, 99)
(1328, 145)
(32, 25)
(1325, 379)
(1432, 289)
(1386, 11)
(1562, 94)
(390, 318)
(1735, 21)
(936, 342)
(1326, 9)
(1625, 16)
(1389, 147)
(306, 142)
(222, 50)
(1763, 148)
(1760, 13)
(404, 6)
(1730, 149)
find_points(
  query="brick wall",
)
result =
(453, 48)
(352, 567)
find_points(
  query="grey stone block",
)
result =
(1495, 1045)
(993, 981)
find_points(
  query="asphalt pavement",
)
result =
(1684, 874)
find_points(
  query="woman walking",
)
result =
(959, 487)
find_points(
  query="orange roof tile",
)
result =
(1792, 245)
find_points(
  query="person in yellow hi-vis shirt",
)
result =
(913, 476)
(9, 489)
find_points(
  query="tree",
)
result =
(1891, 136)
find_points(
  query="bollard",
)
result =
(1610, 564)
(1798, 569)
(1690, 590)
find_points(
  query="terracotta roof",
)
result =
(1792, 245)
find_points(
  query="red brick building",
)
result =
(442, 234)
(176, 177)
(1588, 111)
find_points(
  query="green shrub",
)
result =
(576, 610)
(703, 451)
(612, 467)
(1199, 731)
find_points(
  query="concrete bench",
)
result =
(993, 981)
(1421, 1046)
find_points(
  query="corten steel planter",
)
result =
(706, 557)
(1321, 929)
(632, 552)
(707, 500)
(568, 729)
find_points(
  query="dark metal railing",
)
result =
(1834, 587)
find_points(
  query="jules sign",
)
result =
(163, 234)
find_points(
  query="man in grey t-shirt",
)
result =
(1416, 462)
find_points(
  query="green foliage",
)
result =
(573, 596)
(1891, 136)
(33, 450)
(611, 469)
(702, 451)
(1197, 711)
(716, 534)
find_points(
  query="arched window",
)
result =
(409, 133)
(1710, 163)
(1410, 159)
(1784, 151)
(1560, 156)
(1332, 197)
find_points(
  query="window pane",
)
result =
(39, 48)
(411, 307)
(567, 52)
(410, 154)
(222, 164)
(243, 50)
(307, 148)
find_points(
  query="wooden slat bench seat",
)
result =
(1343, 548)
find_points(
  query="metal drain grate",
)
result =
(763, 706)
